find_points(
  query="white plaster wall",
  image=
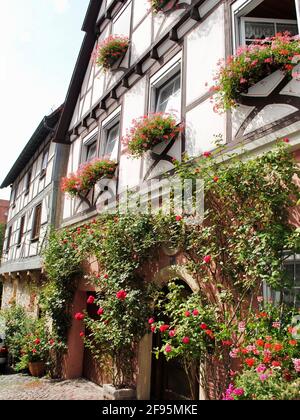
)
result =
(205, 46)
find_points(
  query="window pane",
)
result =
(45, 160)
(169, 97)
(91, 151)
(110, 150)
(289, 27)
(259, 30)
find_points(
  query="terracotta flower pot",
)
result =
(37, 369)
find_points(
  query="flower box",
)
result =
(111, 51)
(252, 64)
(150, 131)
(87, 176)
(162, 5)
(112, 393)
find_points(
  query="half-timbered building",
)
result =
(34, 180)
(169, 67)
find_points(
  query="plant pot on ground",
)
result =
(37, 369)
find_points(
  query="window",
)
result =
(21, 231)
(37, 222)
(110, 147)
(8, 239)
(91, 151)
(44, 162)
(259, 28)
(168, 96)
(291, 293)
(14, 194)
(28, 181)
(259, 19)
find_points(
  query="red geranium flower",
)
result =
(195, 312)
(82, 334)
(276, 364)
(37, 341)
(260, 343)
(203, 326)
(172, 333)
(250, 362)
(278, 347)
(293, 342)
(207, 154)
(79, 316)
(210, 333)
(286, 140)
(168, 348)
(186, 340)
(187, 314)
(178, 218)
(153, 328)
(151, 321)
(121, 295)
(100, 311)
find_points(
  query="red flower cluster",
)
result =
(79, 316)
(87, 176)
(149, 131)
(110, 51)
(121, 295)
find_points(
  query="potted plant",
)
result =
(251, 64)
(37, 347)
(162, 5)
(87, 176)
(110, 51)
(149, 131)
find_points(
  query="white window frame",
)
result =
(161, 78)
(86, 142)
(264, 20)
(110, 122)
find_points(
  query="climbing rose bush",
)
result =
(110, 51)
(87, 176)
(252, 64)
(149, 131)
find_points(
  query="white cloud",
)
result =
(61, 6)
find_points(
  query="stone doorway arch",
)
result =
(161, 278)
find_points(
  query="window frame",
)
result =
(87, 141)
(44, 167)
(165, 75)
(8, 239)
(37, 223)
(21, 230)
(107, 129)
(160, 88)
(28, 181)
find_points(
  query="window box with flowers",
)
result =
(252, 64)
(162, 5)
(111, 51)
(150, 131)
(87, 176)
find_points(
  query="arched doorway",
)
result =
(169, 379)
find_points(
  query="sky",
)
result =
(39, 45)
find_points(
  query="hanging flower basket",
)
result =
(110, 51)
(252, 64)
(87, 176)
(149, 131)
(162, 5)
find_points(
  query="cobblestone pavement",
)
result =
(22, 387)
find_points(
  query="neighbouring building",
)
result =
(4, 205)
(34, 180)
(169, 66)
